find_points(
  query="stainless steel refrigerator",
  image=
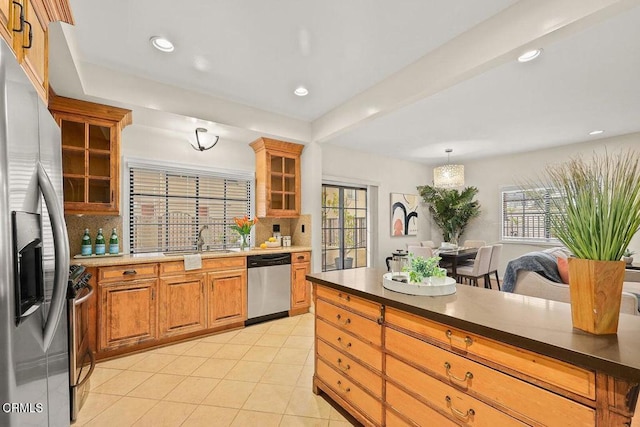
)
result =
(34, 258)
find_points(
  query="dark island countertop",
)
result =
(535, 324)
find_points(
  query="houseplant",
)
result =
(451, 210)
(243, 227)
(627, 257)
(421, 269)
(599, 212)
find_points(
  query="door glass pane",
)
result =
(276, 183)
(99, 165)
(290, 184)
(277, 201)
(73, 161)
(289, 165)
(276, 164)
(289, 201)
(72, 134)
(73, 189)
(99, 191)
(99, 137)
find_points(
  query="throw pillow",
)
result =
(563, 269)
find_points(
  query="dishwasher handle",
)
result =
(268, 260)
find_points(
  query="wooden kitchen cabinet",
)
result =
(300, 287)
(90, 154)
(6, 20)
(277, 178)
(227, 297)
(182, 307)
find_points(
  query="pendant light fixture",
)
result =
(448, 176)
(203, 140)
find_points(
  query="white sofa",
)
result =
(535, 285)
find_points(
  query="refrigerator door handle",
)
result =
(61, 249)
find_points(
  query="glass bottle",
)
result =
(85, 248)
(100, 243)
(114, 246)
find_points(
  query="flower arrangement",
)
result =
(420, 268)
(243, 228)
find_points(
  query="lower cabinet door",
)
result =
(300, 288)
(227, 297)
(182, 304)
(127, 314)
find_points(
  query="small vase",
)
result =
(244, 242)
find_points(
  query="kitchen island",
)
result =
(477, 357)
(144, 301)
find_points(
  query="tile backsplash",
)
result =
(288, 227)
(77, 223)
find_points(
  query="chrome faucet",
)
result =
(200, 240)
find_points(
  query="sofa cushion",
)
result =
(563, 269)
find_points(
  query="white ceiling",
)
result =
(400, 78)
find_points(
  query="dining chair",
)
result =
(493, 264)
(428, 244)
(420, 251)
(480, 268)
(474, 243)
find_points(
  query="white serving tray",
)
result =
(436, 286)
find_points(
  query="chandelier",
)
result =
(448, 176)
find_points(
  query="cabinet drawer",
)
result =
(459, 405)
(351, 368)
(394, 420)
(354, 395)
(413, 409)
(362, 306)
(350, 345)
(555, 372)
(224, 263)
(297, 257)
(346, 320)
(127, 272)
(539, 405)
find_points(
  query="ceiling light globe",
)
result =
(301, 91)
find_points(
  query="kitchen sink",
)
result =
(212, 251)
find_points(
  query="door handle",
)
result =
(29, 36)
(21, 28)
(61, 250)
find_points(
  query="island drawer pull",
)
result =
(129, 272)
(343, 367)
(348, 345)
(345, 389)
(346, 322)
(467, 340)
(468, 376)
(464, 415)
(347, 297)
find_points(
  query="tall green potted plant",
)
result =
(599, 212)
(451, 210)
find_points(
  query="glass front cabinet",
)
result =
(90, 154)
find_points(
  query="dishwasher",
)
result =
(268, 287)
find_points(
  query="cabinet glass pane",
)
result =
(73, 189)
(99, 164)
(72, 134)
(99, 137)
(276, 182)
(289, 201)
(276, 200)
(276, 164)
(99, 191)
(289, 165)
(290, 183)
(73, 162)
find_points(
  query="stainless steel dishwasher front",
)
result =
(269, 287)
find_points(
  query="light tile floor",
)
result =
(257, 376)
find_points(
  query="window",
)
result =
(344, 227)
(169, 209)
(527, 214)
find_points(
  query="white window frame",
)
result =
(543, 241)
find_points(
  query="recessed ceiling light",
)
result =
(161, 44)
(529, 55)
(596, 132)
(301, 91)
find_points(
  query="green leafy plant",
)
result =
(628, 252)
(599, 211)
(420, 268)
(451, 210)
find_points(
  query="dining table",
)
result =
(456, 257)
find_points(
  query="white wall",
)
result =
(390, 176)
(490, 174)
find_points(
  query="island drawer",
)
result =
(359, 305)
(457, 404)
(507, 391)
(351, 368)
(347, 320)
(551, 371)
(354, 395)
(413, 409)
(349, 345)
(127, 272)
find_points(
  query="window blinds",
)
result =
(167, 209)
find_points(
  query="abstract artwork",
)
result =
(404, 214)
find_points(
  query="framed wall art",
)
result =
(404, 214)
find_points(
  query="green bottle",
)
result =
(100, 244)
(114, 247)
(85, 248)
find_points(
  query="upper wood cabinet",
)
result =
(90, 154)
(24, 26)
(277, 178)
